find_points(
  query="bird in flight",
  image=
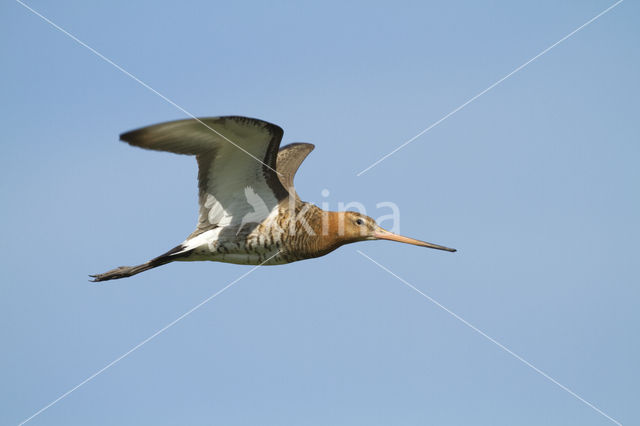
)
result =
(250, 213)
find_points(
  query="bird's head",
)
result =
(353, 227)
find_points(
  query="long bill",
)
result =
(383, 234)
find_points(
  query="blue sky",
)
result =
(535, 182)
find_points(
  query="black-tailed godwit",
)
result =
(249, 211)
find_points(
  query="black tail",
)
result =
(127, 271)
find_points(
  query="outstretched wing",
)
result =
(236, 163)
(290, 158)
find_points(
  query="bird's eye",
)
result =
(359, 222)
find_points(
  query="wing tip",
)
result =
(127, 136)
(136, 136)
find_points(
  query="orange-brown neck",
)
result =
(317, 232)
(331, 233)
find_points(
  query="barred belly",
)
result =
(253, 249)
